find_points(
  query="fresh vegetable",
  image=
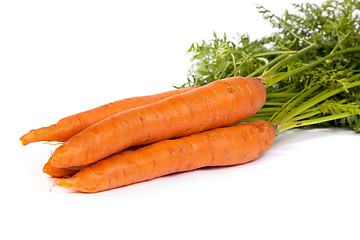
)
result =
(309, 70)
(69, 171)
(218, 147)
(58, 172)
(67, 127)
(218, 104)
(311, 65)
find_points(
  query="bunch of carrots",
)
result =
(218, 121)
(127, 141)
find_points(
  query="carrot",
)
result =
(218, 104)
(67, 172)
(67, 127)
(58, 172)
(217, 147)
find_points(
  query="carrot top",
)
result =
(311, 65)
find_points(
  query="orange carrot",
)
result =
(67, 172)
(218, 104)
(67, 127)
(217, 147)
(58, 172)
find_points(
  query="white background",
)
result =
(62, 57)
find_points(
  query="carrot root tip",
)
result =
(28, 137)
(65, 182)
(52, 160)
(23, 142)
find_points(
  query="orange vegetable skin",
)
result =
(67, 172)
(218, 147)
(67, 127)
(58, 172)
(218, 104)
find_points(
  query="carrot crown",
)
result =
(310, 65)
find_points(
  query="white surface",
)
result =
(61, 57)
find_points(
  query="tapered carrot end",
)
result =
(76, 183)
(46, 168)
(66, 183)
(53, 160)
(58, 172)
(28, 138)
(49, 134)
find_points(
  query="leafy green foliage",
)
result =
(313, 53)
(220, 58)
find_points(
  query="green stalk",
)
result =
(283, 62)
(271, 63)
(268, 109)
(234, 60)
(240, 65)
(319, 98)
(280, 95)
(274, 80)
(277, 117)
(257, 117)
(264, 54)
(314, 111)
(223, 72)
(286, 126)
(269, 103)
(307, 115)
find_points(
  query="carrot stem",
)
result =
(271, 71)
(320, 97)
(291, 125)
(273, 80)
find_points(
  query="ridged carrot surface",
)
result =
(217, 147)
(218, 104)
(67, 172)
(67, 127)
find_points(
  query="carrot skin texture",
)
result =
(67, 172)
(69, 126)
(58, 172)
(218, 104)
(217, 147)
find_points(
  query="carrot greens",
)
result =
(306, 73)
(310, 65)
